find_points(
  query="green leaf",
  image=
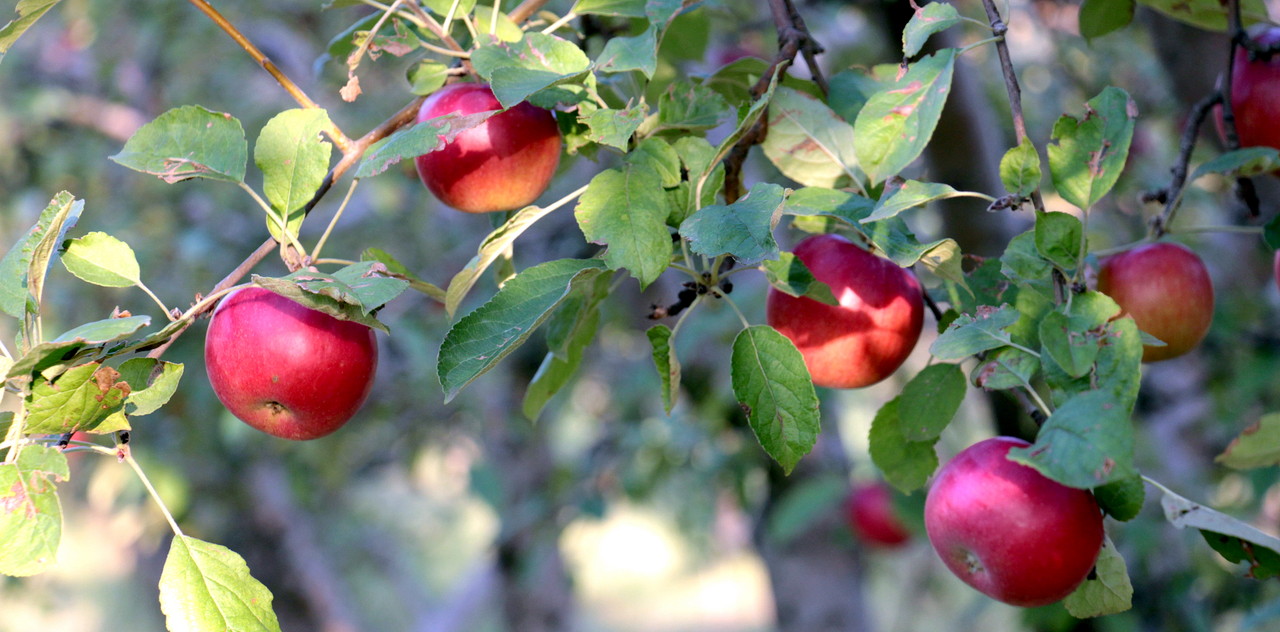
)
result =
(1073, 350)
(569, 332)
(1020, 169)
(206, 587)
(743, 229)
(425, 137)
(1122, 499)
(1106, 591)
(516, 70)
(850, 89)
(1058, 237)
(442, 7)
(1090, 153)
(627, 53)
(1005, 368)
(668, 365)
(627, 211)
(697, 156)
(78, 400)
(188, 142)
(505, 30)
(907, 465)
(101, 259)
(930, 400)
(489, 251)
(1257, 446)
(1209, 14)
(687, 107)
(803, 505)
(617, 8)
(662, 157)
(1099, 17)
(294, 160)
(28, 12)
(69, 344)
(807, 142)
(968, 335)
(789, 275)
(934, 17)
(775, 391)
(352, 293)
(1245, 162)
(30, 515)
(911, 194)
(896, 123)
(613, 128)
(397, 270)
(1225, 534)
(1022, 261)
(427, 76)
(481, 339)
(152, 384)
(25, 266)
(1087, 442)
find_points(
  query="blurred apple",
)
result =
(1166, 288)
(873, 517)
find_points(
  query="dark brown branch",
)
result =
(1172, 195)
(999, 29)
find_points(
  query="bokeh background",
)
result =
(607, 515)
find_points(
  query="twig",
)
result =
(1172, 194)
(999, 29)
(340, 139)
(525, 10)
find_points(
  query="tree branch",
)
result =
(1014, 91)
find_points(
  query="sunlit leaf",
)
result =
(188, 142)
(101, 259)
(206, 587)
(30, 514)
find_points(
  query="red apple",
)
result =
(873, 518)
(502, 164)
(1007, 530)
(1255, 94)
(285, 369)
(870, 333)
(1166, 289)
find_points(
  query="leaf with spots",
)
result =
(30, 514)
(1089, 153)
(896, 123)
(188, 142)
(79, 399)
(1087, 442)
(1106, 591)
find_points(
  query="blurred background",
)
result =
(606, 515)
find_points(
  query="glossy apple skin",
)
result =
(1255, 94)
(287, 370)
(1007, 530)
(872, 516)
(870, 333)
(1166, 288)
(502, 164)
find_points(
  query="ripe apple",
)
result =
(1255, 94)
(1166, 289)
(870, 333)
(502, 164)
(873, 518)
(285, 369)
(1007, 530)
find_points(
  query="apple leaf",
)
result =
(397, 270)
(516, 70)
(1099, 17)
(491, 248)
(294, 159)
(152, 382)
(1210, 15)
(101, 259)
(697, 156)
(634, 52)
(930, 400)
(906, 464)
(1058, 237)
(28, 12)
(1086, 442)
(850, 89)
(616, 8)
(626, 210)
(1233, 539)
(662, 157)
(1020, 169)
(743, 229)
(69, 345)
(351, 293)
(1245, 162)
(370, 283)
(896, 123)
(1089, 154)
(807, 142)
(30, 514)
(613, 128)
(968, 335)
(425, 137)
(482, 338)
(188, 142)
(25, 266)
(1122, 499)
(803, 505)
(1023, 262)
(668, 365)
(427, 76)
(1106, 591)
(1116, 370)
(206, 587)
(687, 107)
(1073, 351)
(789, 275)
(79, 399)
(445, 8)
(1005, 368)
(570, 331)
(775, 391)
(934, 17)
(911, 194)
(1257, 446)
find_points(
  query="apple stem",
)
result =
(290, 238)
(741, 317)
(155, 298)
(315, 253)
(146, 482)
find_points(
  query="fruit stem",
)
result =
(146, 482)
(272, 216)
(163, 307)
(315, 253)
(741, 317)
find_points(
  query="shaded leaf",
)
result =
(569, 332)
(743, 229)
(397, 270)
(807, 141)
(934, 17)
(789, 275)
(1244, 162)
(1122, 499)
(1058, 238)
(68, 344)
(516, 70)
(1209, 14)
(930, 400)
(910, 195)
(1005, 368)
(968, 335)
(775, 391)
(493, 246)
(626, 210)
(668, 365)
(1257, 446)
(617, 8)
(895, 124)
(1099, 17)
(1234, 539)
(1106, 591)
(424, 137)
(1020, 169)
(634, 52)
(152, 383)
(1087, 442)
(907, 465)
(25, 266)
